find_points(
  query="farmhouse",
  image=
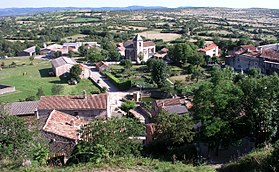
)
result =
(86, 106)
(173, 105)
(73, 46)
(51, 49)
(139, 50)
(61, 130)
(210, 50)
(28, 52)
(6, 89)
(62, 65)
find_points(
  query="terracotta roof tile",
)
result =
(169, 102)
(96, 101)
(148, 44)
(64, 125)
(208, 47)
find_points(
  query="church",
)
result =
(138, 50)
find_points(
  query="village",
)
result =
(155, 90)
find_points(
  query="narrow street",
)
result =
(115, 95)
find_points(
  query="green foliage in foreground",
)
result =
(117, 164)
(256, 161)
(261, 160)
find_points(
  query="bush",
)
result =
(122, 85)
(126, 106)
(40, 154)
(57, 89)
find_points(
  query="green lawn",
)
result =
(37, 76)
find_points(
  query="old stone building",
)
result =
(62, 132)
(86, 106)
(245, 57)
(62, 66)
(139, 50)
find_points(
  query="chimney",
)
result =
(84, 94)
(163, 105)
(72, 122)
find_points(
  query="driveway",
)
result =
(102, 80)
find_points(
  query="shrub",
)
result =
(122, 85)
(40, 154)
(57, 89)
(126, 106)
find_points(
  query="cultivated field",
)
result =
(155, 34)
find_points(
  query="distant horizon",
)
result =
(270, 4)
(138, 6)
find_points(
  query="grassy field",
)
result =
(84, 20)
(181, 78)
(37, 76)
(155, 34)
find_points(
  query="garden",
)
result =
(139, 75)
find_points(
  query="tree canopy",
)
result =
(159, 73)
(76, 71)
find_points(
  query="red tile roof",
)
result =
(208, 47)
(64, 125)
(148, 44)
(169, 102)
(100, 64)
(96, 101)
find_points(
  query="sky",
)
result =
(123, 3)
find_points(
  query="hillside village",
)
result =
(195, 102)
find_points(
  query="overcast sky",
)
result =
(124, 3)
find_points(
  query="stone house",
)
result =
(139, 50)
(62, 66)
(172, 105)
(245, 57)
(210, 50)
(62, 132)
(86, 107)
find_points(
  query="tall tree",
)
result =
(159, 73)
(172, 129)
(260, 105)
(180, 53)
(218, 106)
